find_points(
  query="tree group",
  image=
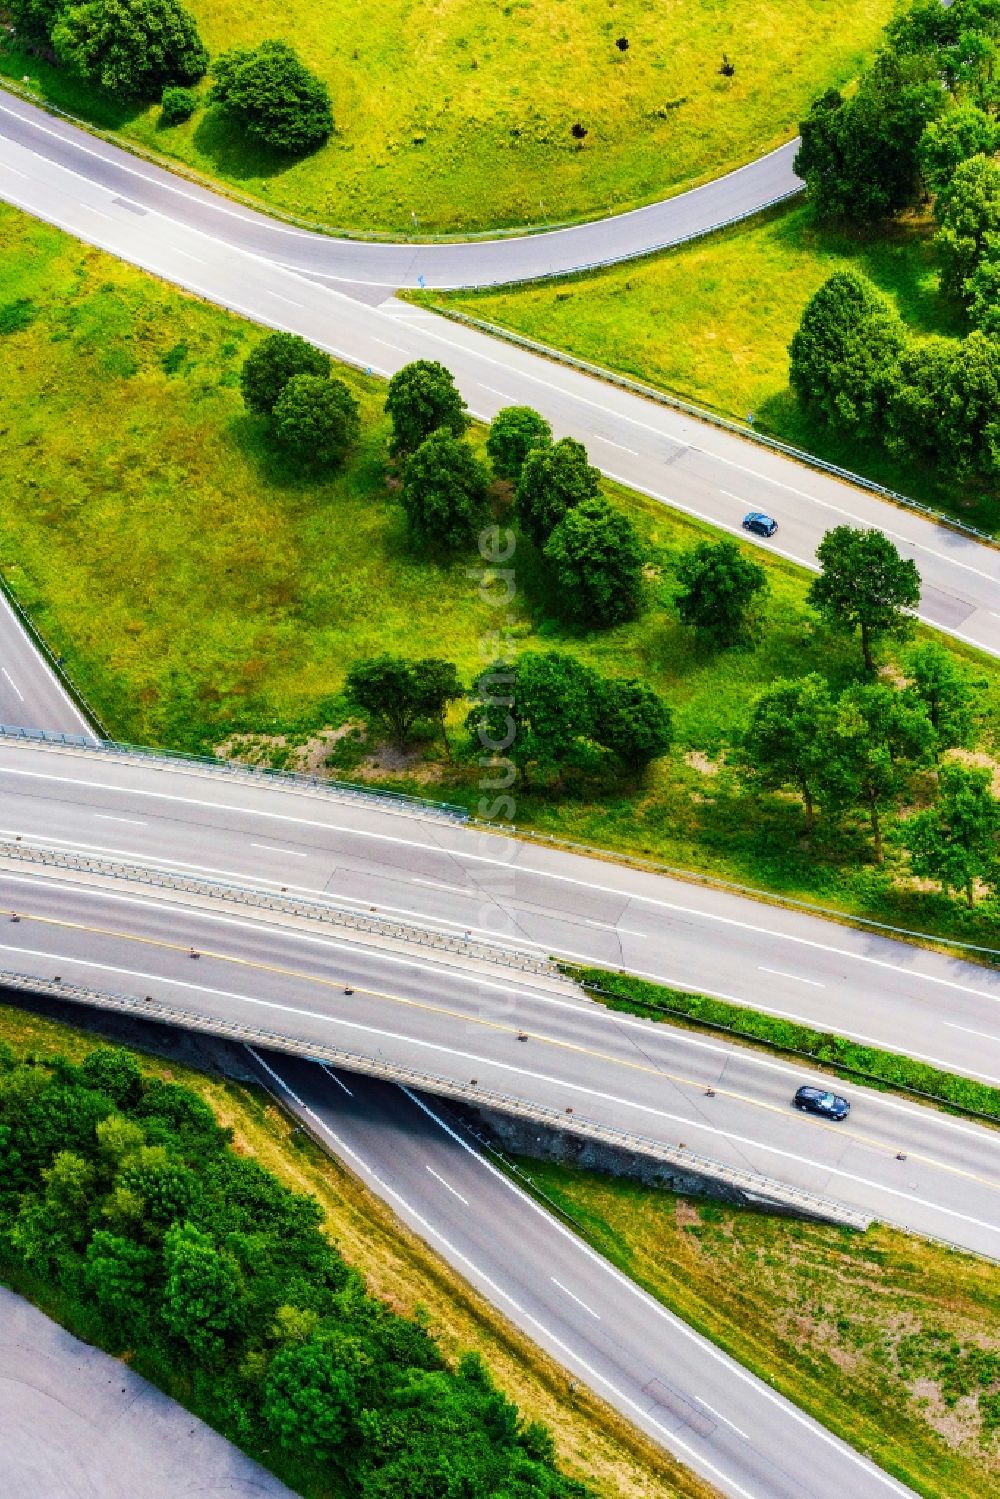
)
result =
(122, 1196)
(311, 415)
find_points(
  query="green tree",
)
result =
(859, 156)
(719, 589)
(538, 711)
(273, 96)
(785, 741)
(69, 1193)
(422, 398)
(844, 356)
(317, 420)
(864, 586)
(878, 737)
(632, 721)
(270, 365)
(970, 419)
(968, 211)
(114, 1071)
(311, 1398)
(946, 692)
(982, 290)
(959, 38)
(596, 558)
(122, 1277)
(515, 432)
(201, 1297)
(166, 1187)
(553, 480)
(118, 1139)
(130, 47)
(957, 840)
(33, 20)
(917, 414)
(957, 134)
(444, 492)
(398, 693)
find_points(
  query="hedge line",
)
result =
(657, 1002)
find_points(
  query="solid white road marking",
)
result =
(335, 1079)
(719, 1416)
(13, 684)
(780, 973)
(567, 1292)
(448, 1186)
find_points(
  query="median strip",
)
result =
(869, 1064)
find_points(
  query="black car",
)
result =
(759, 523)
(818, 1101)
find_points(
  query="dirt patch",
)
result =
(702, 764)
(979, 758)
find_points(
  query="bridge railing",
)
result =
(754, 1185)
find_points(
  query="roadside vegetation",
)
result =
(889, 1341)
(851, 1059)
(86, 1233)
(210, 591)
(450, 120)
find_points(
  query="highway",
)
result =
(431, 870)
(460, 1018)
(678, 1387)
(673, 458)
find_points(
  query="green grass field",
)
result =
(460, 113)
(711, 322)
(880, 1336)
(198, 589)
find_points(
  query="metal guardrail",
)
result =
(702, 413)
(53, 661)
(755, 1185)
(287, 905)
(236, 770)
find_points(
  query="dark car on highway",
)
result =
(759, 523)
(818, 1101)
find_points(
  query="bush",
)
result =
(130, 47)
(274, 96)
(269, 366)
(515, 432)
(177, 105)
(553, 480)
(844, 356)
(718, 589)
(317, 420)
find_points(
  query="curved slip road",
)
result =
(536, 1041)
(674, 1384)
(361, 262)
(454, 878)
(675, 459)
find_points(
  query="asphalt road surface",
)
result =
(361, 262)
(677, 1386)
(449, 1016)
(78, 1424)
(675, 459)
(453, 878)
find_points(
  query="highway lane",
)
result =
(447, 1017)
(365, 262)
(29, 688)
(674, 1384)
(673, 458)
(453, 878)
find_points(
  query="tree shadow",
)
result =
(235, 154)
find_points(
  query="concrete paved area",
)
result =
(77, 1424)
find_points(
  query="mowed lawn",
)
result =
(712, 321)
(199, 588)
(459, 114)
(886, 1339)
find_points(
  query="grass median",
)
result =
(460, 117)
(851, 1059)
